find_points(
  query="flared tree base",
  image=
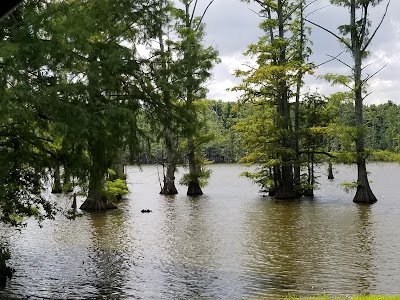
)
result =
(309, 193)
(169, 189)
(97, 204)
(285, 193)
(5, 273)
(194, 189)
(364, 195)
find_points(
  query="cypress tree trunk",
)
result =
(67, 184)
(330, 171)
(194, 188)
(37, 187)
(169, 177)
(57, 188)
(364, 193)
(285, 189)
(309, 191)
(96, 200)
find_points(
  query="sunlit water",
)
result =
(231, 243)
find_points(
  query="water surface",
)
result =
(231, 243)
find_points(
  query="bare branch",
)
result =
(370, 76)
(193, 12)
(258, 14)
(331, 32)
(204, 13)
(365, 67)
(336, 58)
(367, 95)
(261, 3)
(314, 11)
(332, 59)
(376, 29)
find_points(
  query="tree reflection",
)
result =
(190, 269)
(110, 253)
(308, 248)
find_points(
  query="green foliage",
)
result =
(115, 189)
(201, 176)
(349, 186)
(385, 156)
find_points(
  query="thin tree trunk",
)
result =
(330, 171)
(309, 191)
(56, 188)
(37, 187)
(299, 83)
(67, 184)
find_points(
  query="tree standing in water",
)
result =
(269, 84)
(195, 69)
(356, 38)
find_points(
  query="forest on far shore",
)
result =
(226, 141)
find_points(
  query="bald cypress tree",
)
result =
(280, 64)
(356, 36)
(196, 62)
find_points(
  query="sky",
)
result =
(232, 25)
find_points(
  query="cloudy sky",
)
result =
(232, 25)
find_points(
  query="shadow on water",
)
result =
(109, 260)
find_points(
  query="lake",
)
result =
(230, 243)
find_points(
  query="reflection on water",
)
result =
(231, 243)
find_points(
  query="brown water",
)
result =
(231, 243)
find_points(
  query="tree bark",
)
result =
(57, 188)
(67, 184)
(96, 200)
(364, 193)
(170, 165)
(285, 189)
(330, 171)
(194, 188)
(309, 191)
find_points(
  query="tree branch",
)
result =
(370, 76)
(193, 12)
(330, 32)
(336, 58)
(204, 13)
(376, 29)
(332, 59)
